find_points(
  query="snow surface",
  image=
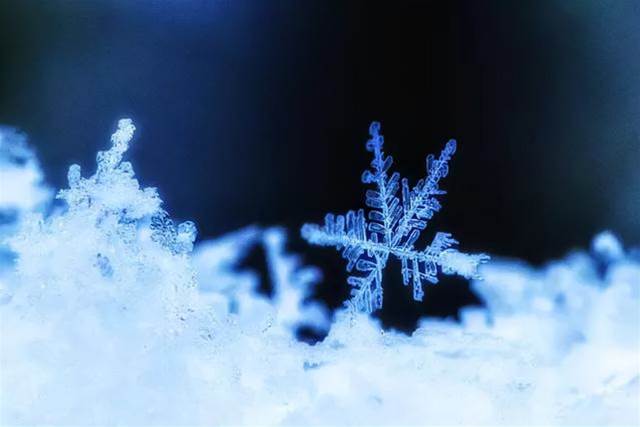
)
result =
(107, 317)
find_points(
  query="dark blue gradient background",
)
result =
(257, 112)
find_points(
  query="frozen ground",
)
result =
(109, 316)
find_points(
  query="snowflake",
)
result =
(392, 229)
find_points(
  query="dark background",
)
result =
(257, 112)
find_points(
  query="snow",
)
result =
(101, 323)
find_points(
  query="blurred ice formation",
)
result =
(112, 320)
(22, 191)
(235, 292)
(22, 187)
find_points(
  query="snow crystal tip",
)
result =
(375, 143)
(124, 133)
(394, 225)
(465, 265)
(113, 187)
(188, 230)
(74, 175)
(108, 160)
(451, 146)
(607, 246)
(374, 129)
(308, 231)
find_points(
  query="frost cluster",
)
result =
(112, 319)
(95, 302)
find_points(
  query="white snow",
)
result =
(103, 325)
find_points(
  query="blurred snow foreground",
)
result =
(108, 317)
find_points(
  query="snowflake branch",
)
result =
(386, 206)
(417, 201)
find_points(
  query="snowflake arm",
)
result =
(385, 207)
(392, 230)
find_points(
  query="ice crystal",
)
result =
(106, 236)
(113, 189)
(393, 228)
(292, 285)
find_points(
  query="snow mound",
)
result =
(111, 319)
